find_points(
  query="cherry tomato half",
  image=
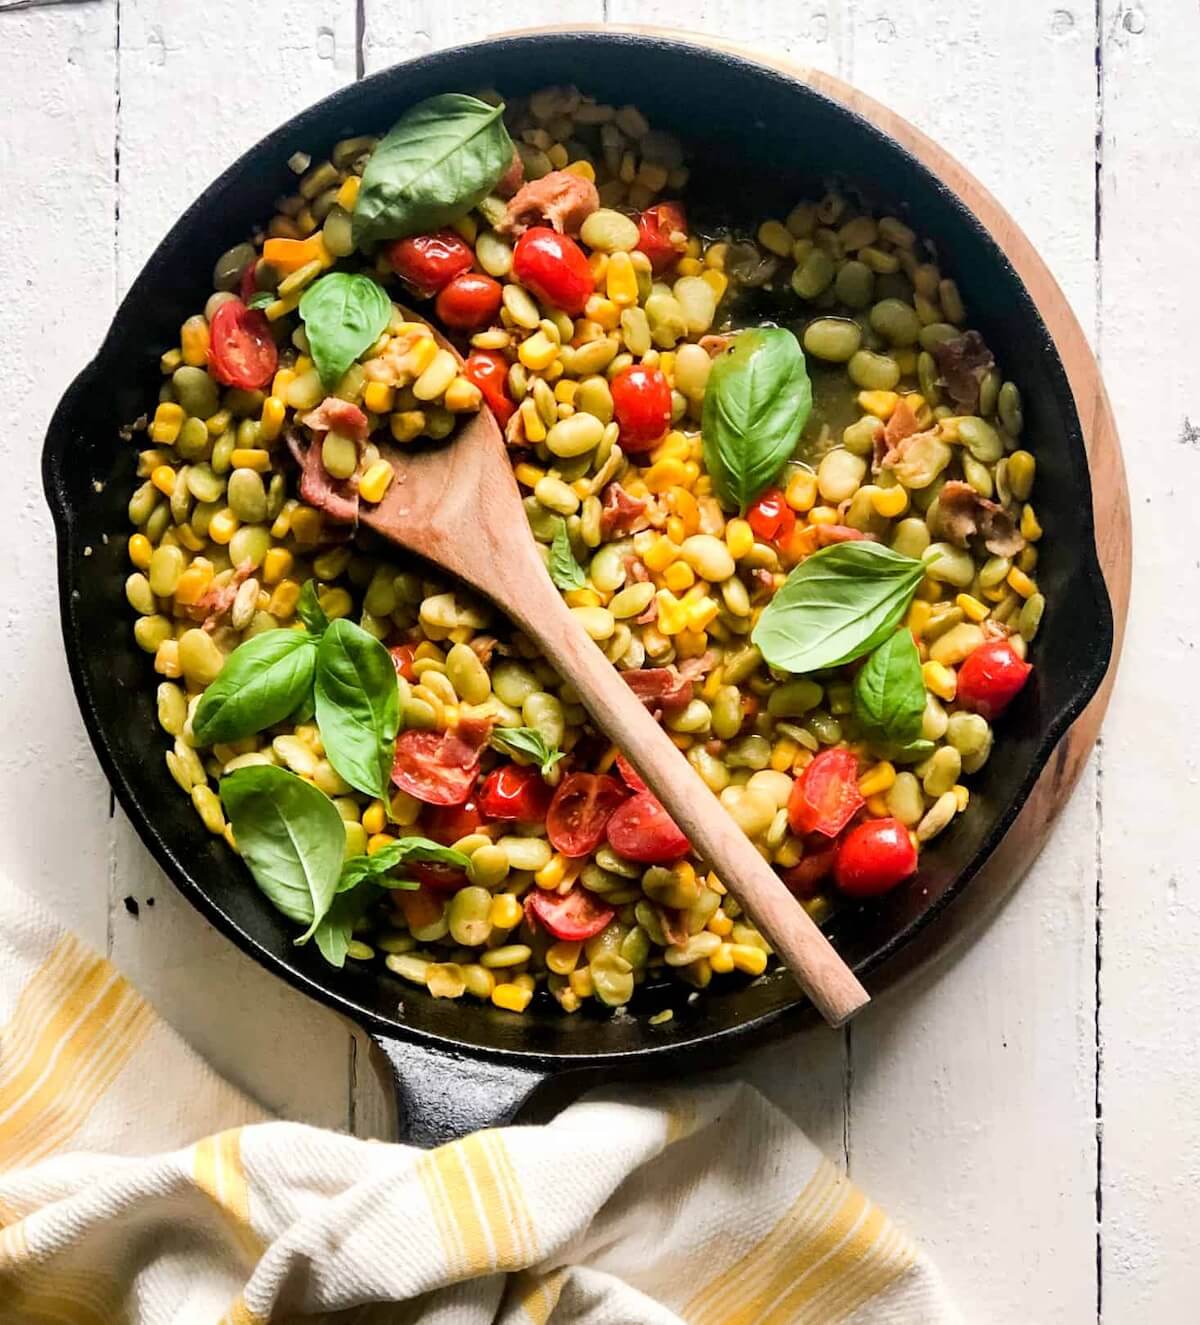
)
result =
(438, 768)
(489, 371)
(580, 811)
(991, 677)
(771, 518)
(874, 857)
(642, 830)
(571, 917)
(241, 351)
(469, 302)
(805, 878)
(554, 268)
(513, 792)
(433, 874)
(662, 234)
(402, 660)
(447, 823)
(825, 797)
(630, 775)
(429, 262)
(642, 406)
(422, 906)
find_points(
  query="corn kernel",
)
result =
(1031, 530)
(528, 475)
(972, 608)
(377, 841)
(193, 341)
(553, 872)
(467, 227)
(822, 515)
(193, 584)
(877, 779)
(672, 614)
(219, 423)
(1027, 559)
(283, 600)
(776, 238)
(170, 361)
(790, 853)
(407, 425)
(748, 958)
(506, 911)
(584, 169)
(347, 195)
(376, 481)
(877, 806)
(604, 312)
(562, 958)
(282, 307)
(163, 478)
(511, 997)
(918, 617)
(701, 613)
(379, 398)
(564, 391)
(535, 429)
(939, 679)
(374, 818)
(660, 554)
(620, 280)
(281, 381)
(679, 576)
(721, 961)
(716, 281)
(168, 419)
(250, 457)
(890, 502)
(273, 413)
(691, 643)
(582, 598)
(739, 539)
(665, 474)
(801, 491)
(879, 403)
(1020, 583)
(719, 923)
(962, 797)
(782, 754)
(336, 603)
(223, 526)
(188, 538)
(598, 266)
(276, 564)
(166, 659)
(140, 550)
(537, 351)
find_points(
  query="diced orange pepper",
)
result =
(289, 255)
(421, 907)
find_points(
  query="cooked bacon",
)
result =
(334, 415)
(337, 498)
(962, 513)
(467, 741)
(764, 584)
(660, 687)
(513, 177)
(650, 614)
(620, 512)
(901, 424)
(962, 364)
(483, 646)
(692, 669)
(828, 534)
(714, 345)
(217, 601)
(635, 568)
(560, 199)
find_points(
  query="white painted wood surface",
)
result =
(967, 1101)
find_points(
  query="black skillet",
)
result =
(757, 142)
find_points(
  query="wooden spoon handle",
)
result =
(807, 953)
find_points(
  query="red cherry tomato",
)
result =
(248, 286)
(630, 775)
(402, 660)
(874, 857)
(825, 797)
(438, 768)
(513, 792)
(804, 879)
(241, 352)
(662, 234)
(433, 874)
(469, 302)
(489, 371)
(554, 268)
(571, 917)
(447, 823)
(991, 677)
(429, 262)
(642, 830)
(642, 406)
(771, 518)
(580, 811)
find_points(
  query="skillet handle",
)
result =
(442, 1095)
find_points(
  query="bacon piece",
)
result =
(660, 687)
(715, 344)
(962, 364)
(620, 512)
(513, 177)
(901, 424)
(472, 735)
(962, 513)
(560, 199)
(692, 669)
(828, 534)
(337, 498)
(217, 601)
(334, 415)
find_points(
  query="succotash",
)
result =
(824, 586)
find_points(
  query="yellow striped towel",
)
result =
(701, 1205)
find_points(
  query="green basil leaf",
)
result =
(310, 611)
(332, 936)
(914, 752)
(262, 682)
(381, 863)
(565, 571)
(836, 605)
(291, 836)
(358, 706)
(527, 741)
(756, 404)
(432, 167)
(262, 299)
(889, 693)
(343, 316)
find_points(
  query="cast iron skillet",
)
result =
(758, 141)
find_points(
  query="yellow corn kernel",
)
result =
(721, 961)
(719, 923)
(374, 818)
(603, 312)
(790, 853)
(276, 564)
(918, 617)
(282, 380)
(377, 841)
(1027, 559)
(582, 598)
(511, 997)
(168, 419)
(689, 267)
(877, 806)
(890, 502)
(219, 423)
(537, 351)
(676, 531)
(822, 515)
(712, 683)
(666, 474)
(782, 754)
(1019, 582)
(193, 341)
(420, 355)
(462, 397)
(375, 482)
(553, 872)
(679, 576)
(716, 281)
(528, 475)
(562, 958)
(140, 550)
(879, 403)
(691, 643)
(674, 446)
(163, 478)
(170, 361)
(531, 420)
(189, 539)
(223, 526)
(1031, 530)
(193, 584)
(250, 457)
(620, 280)
(877, 779)
(672, 614)
(597, 265)
(292, 255)
(564, 391)
(972, 608)
(405, 809)
(739, 539)
(336, 603)
(701, 613)
(282, 604)
(584, 169)
(506, 911)
(715, 255)
(282, 307)
(962, 797)
(379, 398)
(347, 195)
(661, 554)
(748, 958)
(801, 491)
(407, 424)
(940, 679)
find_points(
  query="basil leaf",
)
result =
(358, 706)
(527, 741)
(565, 571)
(263, 681)
(343, 316)
(262, 299)
(383, 861)
(756, 404)
(889, 693)
(433, 166)
(310, 611)
(836, 605)
(914, 752)
(290, 835)
(332, 936)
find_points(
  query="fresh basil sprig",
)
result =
(432, 167)
(310, 611)
(378, 866)
(343, 315)
(889, 694)
(756, 404)
(527, 741)
(565, 571)
(263, 681)
(333, 934)
(836, 605)
(291, 836)
(357, 706)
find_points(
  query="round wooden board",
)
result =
(968, 913)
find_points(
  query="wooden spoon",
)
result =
(458, 506)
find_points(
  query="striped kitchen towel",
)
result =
(700, 1205)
